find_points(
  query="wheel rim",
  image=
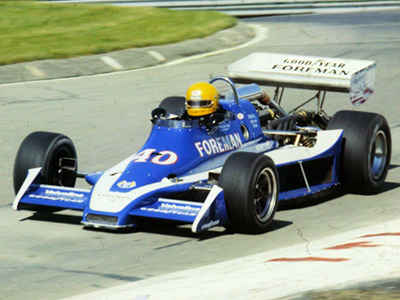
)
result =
(378, 155)
(54, 170)
(265, 195)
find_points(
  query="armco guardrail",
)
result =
(244, 8)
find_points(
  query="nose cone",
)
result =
(138, 174)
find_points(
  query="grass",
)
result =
(34, 30)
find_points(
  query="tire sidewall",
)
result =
(375, 183)
(238, 179)
(61, 147)
(259, 166)
(40, 149)
(359, 132)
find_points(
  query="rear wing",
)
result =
(355, 77)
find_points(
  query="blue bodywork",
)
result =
(169, 177)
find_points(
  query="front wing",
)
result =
(202, 216)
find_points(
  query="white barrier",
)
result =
(244, 8)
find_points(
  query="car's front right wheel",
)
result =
(251, 188)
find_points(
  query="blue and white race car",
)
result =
(230, 168)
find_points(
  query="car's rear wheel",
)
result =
(366, 151)
(44, 149)
(251, 189)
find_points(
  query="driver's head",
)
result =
(202, 99)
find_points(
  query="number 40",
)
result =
(160, 158)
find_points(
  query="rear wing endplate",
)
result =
(355, 77)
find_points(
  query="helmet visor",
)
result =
(199, 103)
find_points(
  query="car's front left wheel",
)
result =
(44, 149)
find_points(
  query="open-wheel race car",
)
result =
(229, 168)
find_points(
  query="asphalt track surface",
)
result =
(107, 117)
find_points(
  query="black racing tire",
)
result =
(44, 149)
(366, 150)
(251, 188)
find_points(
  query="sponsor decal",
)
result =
(225, 126)
(166, 208)
(195, 95)
(362, 86)
(126, 185)
(60, 196)
(308, 66)
(112, 196)
(180, 207)
(253, 120)
(210, 224)
(219, 145)
(64, 194)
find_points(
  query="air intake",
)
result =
(100, 219)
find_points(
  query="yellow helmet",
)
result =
(202, 99)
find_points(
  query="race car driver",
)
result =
(202, 99)
(202, 102)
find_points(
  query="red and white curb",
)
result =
(367, 254)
